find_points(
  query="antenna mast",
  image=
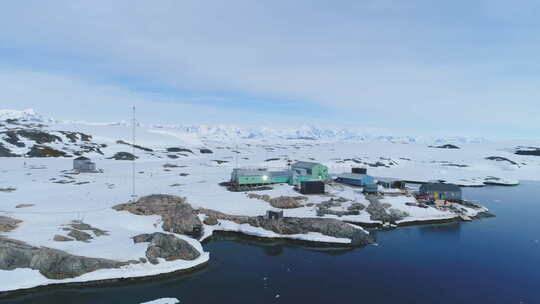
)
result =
(133, 195)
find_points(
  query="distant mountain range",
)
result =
(230, 132)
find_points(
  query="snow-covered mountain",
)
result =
(236, 133)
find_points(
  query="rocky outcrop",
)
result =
(295, 225)
(500, 158)
(24, 205)
(382, 212)
(176, 213)
(447, 146)
(529, 151)
(178, 149)
(282, 202)
(166, 246)
(7, 223)
(61, 238)
(206, 151)
(5, 152)
(51, 263)
(45, 151)
(325, 208)
(123, 156)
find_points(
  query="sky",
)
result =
(404, 67)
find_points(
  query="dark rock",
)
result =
(177, 149)
(176, 213)
(447, 146)
(282, 202)
(379, 211)
(172, 156)
(79, 235)
(45, 151)
(123, 156)
(51, 263)
(499, 158)
(294, 225)
(166, 246)
(24, 205)
(7, 223)
(61, 238)
(210, 221)
(206, 151)
(83, 226)
(529, 151)
(5, 152)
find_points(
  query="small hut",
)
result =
(83, 164)
(274, 215)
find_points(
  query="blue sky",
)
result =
(404, 67)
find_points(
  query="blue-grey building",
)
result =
(355, 179)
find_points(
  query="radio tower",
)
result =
(134, 122)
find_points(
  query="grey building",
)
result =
(83, 164)
(441, 191)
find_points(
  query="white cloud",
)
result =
(391, 63)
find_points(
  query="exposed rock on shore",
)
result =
(282, 202)
(176, 213)
(382, 212)
(166, 246)
(295, 225)
(51, 263)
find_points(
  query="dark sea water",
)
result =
(493, 260)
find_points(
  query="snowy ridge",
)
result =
(25, 115)
(307, 133)
(237, 133)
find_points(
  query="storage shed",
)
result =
(312, 187)
(355, 179)
(440, 191)
(83, 164)
(304, 171)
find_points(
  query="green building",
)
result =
(257, 177)
(309, 171)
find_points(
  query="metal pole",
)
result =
(133, 195)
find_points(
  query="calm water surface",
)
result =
(494, 260)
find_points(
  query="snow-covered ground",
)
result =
(59, 198)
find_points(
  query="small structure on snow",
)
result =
(274, 215)
(83, 164)
(312, 187)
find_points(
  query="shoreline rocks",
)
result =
(166, 246)
(178, 216)
(51, 263)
